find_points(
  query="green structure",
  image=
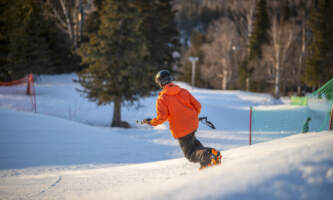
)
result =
(326, 91)
(277, 123)
(302, 101)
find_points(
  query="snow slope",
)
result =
(67, 151)
(296, 167)
(30, 140)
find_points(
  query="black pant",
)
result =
(193, 150)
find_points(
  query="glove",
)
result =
(147, 120)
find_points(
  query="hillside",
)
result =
(66, 151)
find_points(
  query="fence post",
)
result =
(31, 91)
(250, 128)
(29, 80)
(331, 118)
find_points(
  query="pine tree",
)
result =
(4, 41)
(319, 64)
(30, 42)
(260, 35)
(162, 36)
(62, 58)
(28, 48)
(244, 74)
(93, 21)
(257, 38)
(131, 44)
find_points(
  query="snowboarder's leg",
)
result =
(190, 146)
(194, 151)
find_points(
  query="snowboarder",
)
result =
(306, 125)
(181, 109)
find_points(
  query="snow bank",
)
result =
(30, 140)
(297, 167)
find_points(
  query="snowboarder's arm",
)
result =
(162, 113)
(196, 104)
(146, 121)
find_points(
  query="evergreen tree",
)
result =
(28, 50)
(244, 74)
(126, 52)
(161, 34)
(62, 59)
(93, 21)
(319, 64)
(30, 42)
(194, 15)
(260, 35)
(4, 41)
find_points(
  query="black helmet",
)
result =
(163, 78)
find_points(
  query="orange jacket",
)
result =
(180, 108)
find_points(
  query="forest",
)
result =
(278, 46)
(283, 47)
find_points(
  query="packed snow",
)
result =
(68, 151)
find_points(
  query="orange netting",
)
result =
(16, 82)
(11, 89)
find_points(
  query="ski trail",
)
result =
(50, 187)
(55, 184)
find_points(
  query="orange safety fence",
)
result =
(30, 90)
(16, 82)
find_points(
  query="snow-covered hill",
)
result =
(66, 151)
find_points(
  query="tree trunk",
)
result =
(68, 22)
(81, 21)
(248, 84)
(225, 79)
(116, 120)
(300, 60)
(277, 80)
(299, 90)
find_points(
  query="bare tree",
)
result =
(243, 14)
(304, 9)
(278, 53)
(221, 52)
(69, 16)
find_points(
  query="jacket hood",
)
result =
(170, 89)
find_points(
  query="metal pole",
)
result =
(250, 129)
(193, 73)
(193, 60)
